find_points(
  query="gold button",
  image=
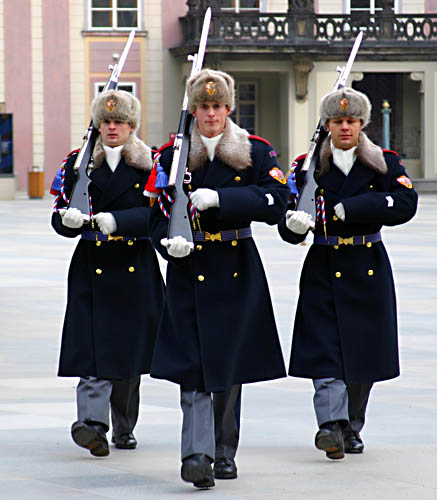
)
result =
(199, 247)
(136, 186)
(200, 277)
(338, 274)
(99, 271)
(234, 243)
(335, 247)
(371, 186)
(130, 243)
(368, 244)
(189, 187)
(370, 272)
(131, 269)
(235, 275)
(322, 191)
(334, 217)
(98, 243)
(237, 178)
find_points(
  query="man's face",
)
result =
(345, 131)
(211, 118)
(114, 133)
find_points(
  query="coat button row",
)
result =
(131, 270)
(202, 278)
(369, 272)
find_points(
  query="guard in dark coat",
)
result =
(345, 331)
(115, 288)
(218, 329)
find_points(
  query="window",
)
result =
(114, 14)
(245, 110)
(240, 5)
(370, 6)
(127, 86)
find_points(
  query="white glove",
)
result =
(177, 247)
(72, 218)
(299, 222)
(339, 211)
(204, 198)
(106, 222)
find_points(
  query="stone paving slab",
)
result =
(277, 459)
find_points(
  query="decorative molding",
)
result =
(302, 68)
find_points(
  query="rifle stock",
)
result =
(79, 197)
(307, 197)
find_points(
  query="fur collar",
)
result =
(368, 153)
(233, 149)
(135, 153)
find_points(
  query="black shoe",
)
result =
(91, 436)
(330, 439)
(225, 468)
(124, 441)
(353, 442)
(197, 470)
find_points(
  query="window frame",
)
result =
(120, 84)
(238, 102)
(372, 10)
(237, 9)
(114, 8)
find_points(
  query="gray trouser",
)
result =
(336, 401)
(96, 396)
(227, 410)
(197, 424)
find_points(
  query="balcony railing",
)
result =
(290, 32)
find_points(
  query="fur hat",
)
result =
(345, 102)
(116, 105)
(210, 85)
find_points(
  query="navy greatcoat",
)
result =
(345, 325)
(112, 316)
(218, 327)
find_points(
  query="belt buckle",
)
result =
(213, 236)
(115, 238)
(345, 241)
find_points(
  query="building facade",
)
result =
(54, 57)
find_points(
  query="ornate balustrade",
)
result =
(386, 34)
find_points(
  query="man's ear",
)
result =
(228, 110)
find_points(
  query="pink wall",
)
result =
(171, 31)
(430, 6)
(18, 82)
(56, 49)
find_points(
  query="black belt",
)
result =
(352, 240)
(98, 236)
(228, 235)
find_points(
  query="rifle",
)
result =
(179, 224)
(307, 197)
(79, 197)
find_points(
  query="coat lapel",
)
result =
(120, 181)
(358, 177)
(216, 174)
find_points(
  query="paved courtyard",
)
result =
(277, 459)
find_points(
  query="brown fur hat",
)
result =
(345, 102)
(116, 105)
(210, 86)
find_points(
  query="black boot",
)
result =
(225, 468)
(330, 439)
(353, 442)
(197, 469)
(92, 436)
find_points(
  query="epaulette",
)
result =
(166, 145)
(73, 152)
(259, 139)
(390, 151)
